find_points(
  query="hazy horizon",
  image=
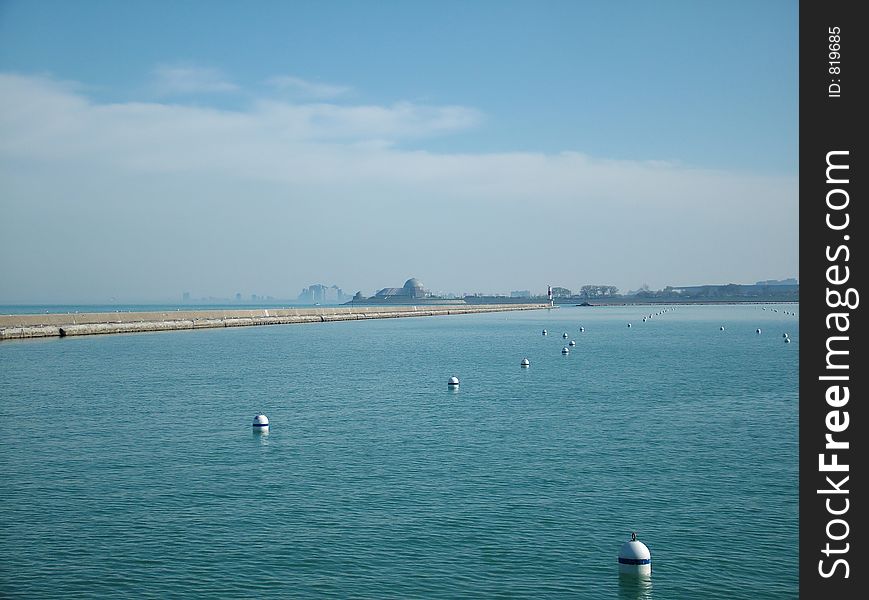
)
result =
(148, 150)
(266, 298)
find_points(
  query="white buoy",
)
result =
(453, 382)
(565, 350)
(544, 332)
(787, 340)
(635, 558)
(572, 343)
(582, 329)
(260, 422)
(629, 324)
(722, 328)
(758, 330)
(784, 335)
(525, 362)
(644, 319)
(564, 335)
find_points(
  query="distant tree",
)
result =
(590, 291)
(598, 291)
(560, 292)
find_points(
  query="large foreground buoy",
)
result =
(260, 422)
(453, 382)
(525, 362)
(635, 558)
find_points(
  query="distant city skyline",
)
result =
(333, 294)
(223, 148)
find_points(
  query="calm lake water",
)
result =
(129, 466)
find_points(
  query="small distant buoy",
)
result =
(644, 319)
(784, 335)
(572, 343)
(565, 350)
(544, 332)
(629, 324)
(787, 340)
(635, 558)
(260, 422)
(722, 328)
(582, 329)
(758, 330)
(453, 382)
(564, 335)
(525, 362)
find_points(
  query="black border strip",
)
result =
(831, 103)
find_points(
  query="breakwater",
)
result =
(60, 325)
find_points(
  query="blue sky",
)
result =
(465, 133)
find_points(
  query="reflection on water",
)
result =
(634, 587)
(261, 434)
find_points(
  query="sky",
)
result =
(153, 148)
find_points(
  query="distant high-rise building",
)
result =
(320, 294)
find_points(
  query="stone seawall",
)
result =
(14, 327)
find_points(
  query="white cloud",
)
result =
(309, 89)
(331, 184)
(184, 79)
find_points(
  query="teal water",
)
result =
(129, 466)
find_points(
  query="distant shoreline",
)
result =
(681, 303)
(28, 326)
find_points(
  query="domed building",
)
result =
(411, 290)
(412, 293)
(413, 287)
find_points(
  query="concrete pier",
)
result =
(14, 327)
